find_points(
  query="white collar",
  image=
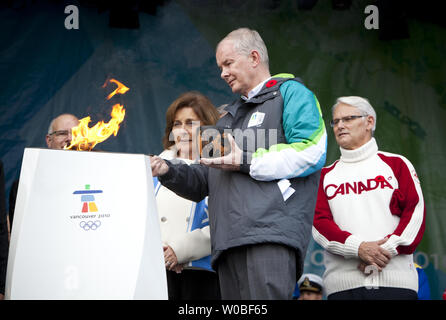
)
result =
(363, 152)
(254, 91)
(171, 153)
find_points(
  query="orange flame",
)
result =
(121, 89)
(85, 138)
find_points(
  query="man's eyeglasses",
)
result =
(347, 119)
(60, 133)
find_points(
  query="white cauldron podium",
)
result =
(85, 227)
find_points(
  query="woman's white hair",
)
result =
(360, 103)
(246, 40)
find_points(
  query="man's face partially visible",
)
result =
(61, 135)
(236, 69)
(308, 295)
(351, 133)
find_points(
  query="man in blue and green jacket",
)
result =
(261, 195)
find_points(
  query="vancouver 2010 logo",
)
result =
(87, 199)
(89, 209)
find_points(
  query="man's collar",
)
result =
(253, 95)
(256, 90)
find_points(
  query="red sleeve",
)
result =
(407, 202)
(323, 218)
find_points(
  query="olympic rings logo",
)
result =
(90, 225)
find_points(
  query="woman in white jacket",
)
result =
(184, 223)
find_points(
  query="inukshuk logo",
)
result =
(89, 208)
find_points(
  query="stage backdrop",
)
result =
(46, 70)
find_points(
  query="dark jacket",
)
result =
(243, 210)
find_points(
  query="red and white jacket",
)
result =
(368, 195)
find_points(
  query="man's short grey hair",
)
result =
(51, 127)
(360, 103)
(246, 40)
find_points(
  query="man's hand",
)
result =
(231, 161)
(371, 253)
(159, 166)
